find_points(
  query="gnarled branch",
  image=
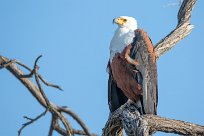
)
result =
(182, 29)
(38, 93)
(129, 118)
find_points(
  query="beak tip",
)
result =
(113, 21)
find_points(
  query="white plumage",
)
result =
(123, 36)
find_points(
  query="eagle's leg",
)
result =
(131, 61)
(126, 54)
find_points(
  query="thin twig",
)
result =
(31, 121)
(76, 117)
(35, 69)
(80, 132)
(55, 126)
(32, 72)
(23, 65)
(3, 65)
(60, 130)
(28, 118)
(40, 77)
(52, 125)
(49, 84)
(49, 106)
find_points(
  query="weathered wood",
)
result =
(182, 29)
(158, 123)
(134, 124)
(55, 110)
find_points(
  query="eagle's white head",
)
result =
(124, 34)
(127, 22)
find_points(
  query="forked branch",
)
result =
(38, 93)
(30, 121)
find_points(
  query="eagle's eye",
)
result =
(125, 20)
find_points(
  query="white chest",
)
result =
(122, 38)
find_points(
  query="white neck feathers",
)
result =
(123, 37)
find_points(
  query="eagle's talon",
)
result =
(131, 61)
(135, 71)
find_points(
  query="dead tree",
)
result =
(58, 112)
(127, 116)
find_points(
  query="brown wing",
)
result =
(122, 84)
(116, 98)
(133, 75)
(143, 53)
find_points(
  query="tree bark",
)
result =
(134, 124)
(182, 29)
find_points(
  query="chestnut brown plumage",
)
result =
(133, 75)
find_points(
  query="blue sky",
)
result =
(73, 37)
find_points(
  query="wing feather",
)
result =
(143, 53)
(116, 98)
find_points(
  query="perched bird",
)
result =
(132, 68)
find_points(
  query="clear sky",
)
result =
(73, 36)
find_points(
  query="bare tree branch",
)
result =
(5, 64)
(80, 132)
(40, 77)
(128, 117)
(173, 126)
(76, 117)
(52, 125)
(30, 121)
(182, 29)
(38, 93)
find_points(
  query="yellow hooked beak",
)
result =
(120, 21)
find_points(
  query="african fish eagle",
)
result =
(132, 68)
